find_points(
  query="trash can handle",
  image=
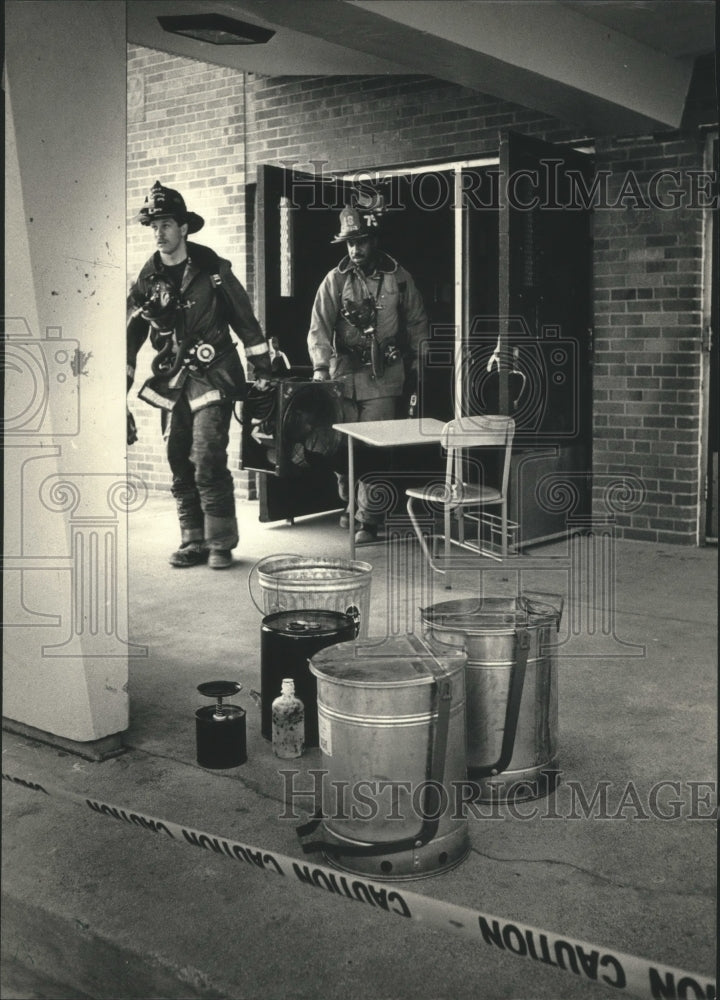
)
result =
(512, 711)
(430, 822)
(555, 602)
(256, 567)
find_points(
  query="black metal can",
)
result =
(288, 641)
(220, 729)
(221, 740)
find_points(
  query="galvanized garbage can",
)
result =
(511, 682)
(392, 735)
(288, 639)
(289, 582)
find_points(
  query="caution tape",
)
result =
(593, 963)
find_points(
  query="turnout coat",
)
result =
(401, 320)
(211, 300)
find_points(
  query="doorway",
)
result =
(296, 220)
(494, 278)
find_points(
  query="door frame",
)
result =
(711, 238)
(456, 168)
(555, 455)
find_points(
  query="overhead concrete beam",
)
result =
(553, 42)
(543, 56)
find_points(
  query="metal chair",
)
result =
(453, 495)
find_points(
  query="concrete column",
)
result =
(67, 495)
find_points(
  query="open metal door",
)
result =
(711, 415)
(545, 307)
(296, 216)
(296, 219)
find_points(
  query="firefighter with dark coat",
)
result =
(367, 324)
(185, 298)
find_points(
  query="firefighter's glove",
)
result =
(132, 434)
(260, 370)
(321, 375)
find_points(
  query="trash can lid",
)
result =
(403, 661)
(299, 569)
(474, 614)
(301, 622)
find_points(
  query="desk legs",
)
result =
(351, 493)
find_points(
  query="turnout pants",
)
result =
(202, 484)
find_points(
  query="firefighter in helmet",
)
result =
(367, 324)
(184, 299)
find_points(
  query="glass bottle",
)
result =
(288, 722)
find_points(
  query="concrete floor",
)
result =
(97, 908)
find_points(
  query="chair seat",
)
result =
(437, 493)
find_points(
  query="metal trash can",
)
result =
(392, 735)
(289, 582)
(511, 683)
(288, 639)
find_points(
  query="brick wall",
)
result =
(648, 329)
(354, 122)
(647, 262)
